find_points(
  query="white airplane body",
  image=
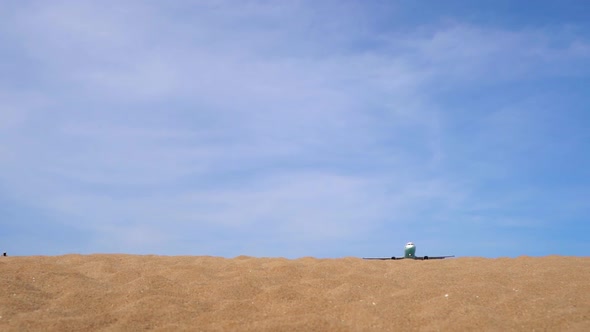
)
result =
(410, 253)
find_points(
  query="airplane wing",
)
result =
(432, 257)
(383, 258)
(417, 257)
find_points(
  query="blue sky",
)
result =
(295, 128)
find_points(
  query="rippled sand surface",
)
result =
(127, 292)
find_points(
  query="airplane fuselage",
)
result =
(410, 250)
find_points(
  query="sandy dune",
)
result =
(125, 292)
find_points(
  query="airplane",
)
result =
(410, 253)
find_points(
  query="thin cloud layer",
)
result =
(287, 129)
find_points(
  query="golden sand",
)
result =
(127, 292)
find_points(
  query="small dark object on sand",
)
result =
(4, 254)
